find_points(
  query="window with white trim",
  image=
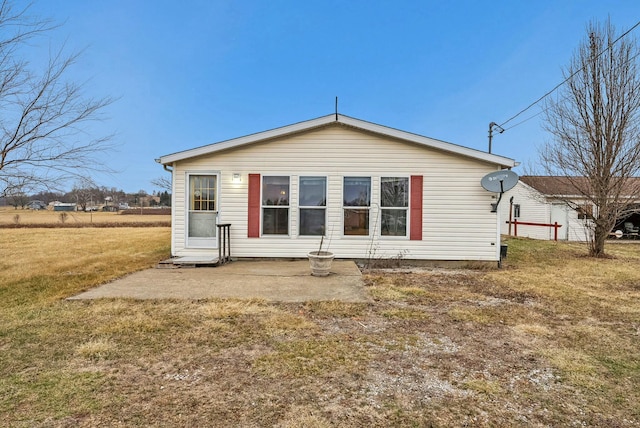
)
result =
(394, 203)
(312, 203)
(356, 205)
(275, 205)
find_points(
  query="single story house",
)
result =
(371, 190)
(553, 199)
(36, 205)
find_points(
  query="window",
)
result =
(275, 205)
(585, 211)
(356, 204)
(516, 210)
(394, 200)
(312, 202)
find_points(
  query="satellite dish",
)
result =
(499, 181)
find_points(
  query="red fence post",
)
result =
(515, 223)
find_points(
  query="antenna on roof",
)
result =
(336, 108)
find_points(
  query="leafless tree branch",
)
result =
(595, 129)
(162, 183)
(42, 124)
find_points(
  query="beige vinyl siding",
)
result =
(457, 222)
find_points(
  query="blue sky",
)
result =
(195, 72)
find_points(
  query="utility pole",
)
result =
(491, 126)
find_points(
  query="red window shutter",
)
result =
(253, 216)
(415, 207)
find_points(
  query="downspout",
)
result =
(173, 202)
(166, 168)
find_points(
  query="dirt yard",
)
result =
(550, 340)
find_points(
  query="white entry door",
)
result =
(560, 214)
(202, 211)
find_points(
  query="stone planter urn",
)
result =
(320, 262)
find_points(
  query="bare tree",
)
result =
(85, 192)
(17, 199)
(595, 127)
(42, 114)
(162, 183)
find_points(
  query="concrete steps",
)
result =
(188, 262)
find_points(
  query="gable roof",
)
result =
(557, 185)
(344, 121)
(562, 186)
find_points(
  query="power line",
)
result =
(563, 82)
(525, 120)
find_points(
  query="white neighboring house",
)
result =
(373, 191)
(543, 200)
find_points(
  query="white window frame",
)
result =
(282, 207)
(406, 209)
(357, 207)
(312, 207)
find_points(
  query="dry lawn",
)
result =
(551, 340)
(10, 217)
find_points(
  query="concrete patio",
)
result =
(278, 281)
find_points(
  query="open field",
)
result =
(12, 217)
(551, 340)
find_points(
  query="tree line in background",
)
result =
(90, 197)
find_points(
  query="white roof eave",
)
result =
(340, 119)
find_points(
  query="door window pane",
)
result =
(202, 192)
(202, 224)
